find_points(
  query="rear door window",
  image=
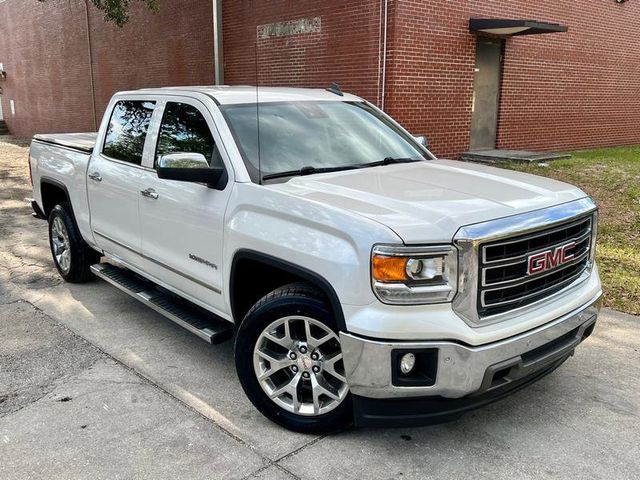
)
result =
(127, 130)
(185, 130)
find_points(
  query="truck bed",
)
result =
(83, 142)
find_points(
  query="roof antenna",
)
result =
(335, 88)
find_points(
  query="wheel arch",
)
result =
(53, 192)
(283, 272)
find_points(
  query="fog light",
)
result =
(407, 362)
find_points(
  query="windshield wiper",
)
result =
(388, 161)
(308, 170)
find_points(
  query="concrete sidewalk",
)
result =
(95, 385)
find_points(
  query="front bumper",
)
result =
(463, 370)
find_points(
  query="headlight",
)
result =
(414, 275)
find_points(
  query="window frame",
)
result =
(159, 131)
(107, 121)
(208, 107)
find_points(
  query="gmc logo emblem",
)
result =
(543, 261)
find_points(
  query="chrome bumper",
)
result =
(463, 370)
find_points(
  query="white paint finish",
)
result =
(427, 202)
(185, 220)
(225, 94)
(1, 115)
(12, 104)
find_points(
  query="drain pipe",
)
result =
(384, 54)
(93, 88)
(218, 63)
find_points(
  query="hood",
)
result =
(427, 202)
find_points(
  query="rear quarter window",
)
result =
(127, 130)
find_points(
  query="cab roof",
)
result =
(225, 94)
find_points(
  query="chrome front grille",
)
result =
(506, 279)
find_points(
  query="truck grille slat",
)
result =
(506, 283)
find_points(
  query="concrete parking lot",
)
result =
(95, 385)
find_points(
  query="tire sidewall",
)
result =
(247, 335)
(63, 212)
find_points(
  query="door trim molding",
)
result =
(163, 265)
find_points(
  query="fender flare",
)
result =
(302, 272)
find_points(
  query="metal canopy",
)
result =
(508, 28)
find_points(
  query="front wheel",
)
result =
(289, 361)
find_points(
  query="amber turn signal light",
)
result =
(389, 269)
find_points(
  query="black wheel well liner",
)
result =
(57, 188)
(291, 272)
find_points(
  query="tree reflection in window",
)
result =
(185, 130)
(128, 130)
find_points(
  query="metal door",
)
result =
(486, 94)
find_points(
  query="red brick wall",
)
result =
(560, 91)
(44, 48)
(346, 50)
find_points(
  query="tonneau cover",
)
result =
(78, 141)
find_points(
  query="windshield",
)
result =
(314, 136)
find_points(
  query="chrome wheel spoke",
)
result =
(60, 244)
(294, 371)
(329, 366)
(315, 342)
(275, 364)
(289, 387)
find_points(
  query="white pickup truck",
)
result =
(364, 279)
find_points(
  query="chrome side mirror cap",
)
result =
(183, 160)
(191, 167)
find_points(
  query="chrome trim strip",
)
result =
(461, 368)
(469, 238)
(521, 258)
(562, 284)
(542, 232)
(164, 265)
(528, 278)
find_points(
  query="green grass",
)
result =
(612, 177)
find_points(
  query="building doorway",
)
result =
(1, 117)
(486, 93)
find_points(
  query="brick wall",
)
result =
(560, 91)
(44, 48)
(344, 50)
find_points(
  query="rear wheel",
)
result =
(71, 254)
(289, 361)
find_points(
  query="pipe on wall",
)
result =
(218, 62)
(384, 7)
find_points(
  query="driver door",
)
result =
(182, 222)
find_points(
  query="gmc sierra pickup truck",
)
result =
(362, 278)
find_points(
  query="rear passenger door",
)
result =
(182, 222)
(114, 177)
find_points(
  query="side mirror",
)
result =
(190, 167)
(422, 140)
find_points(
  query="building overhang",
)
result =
(503, 27)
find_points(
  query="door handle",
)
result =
(149, 193)
(95, 176)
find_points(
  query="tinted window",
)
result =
(185, 130)
(128, 130)
(295, 135)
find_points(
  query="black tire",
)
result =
(290, 300)
(82, 256)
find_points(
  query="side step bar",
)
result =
(205, 324)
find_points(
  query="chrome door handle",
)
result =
(149, 193)
(95, 176)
